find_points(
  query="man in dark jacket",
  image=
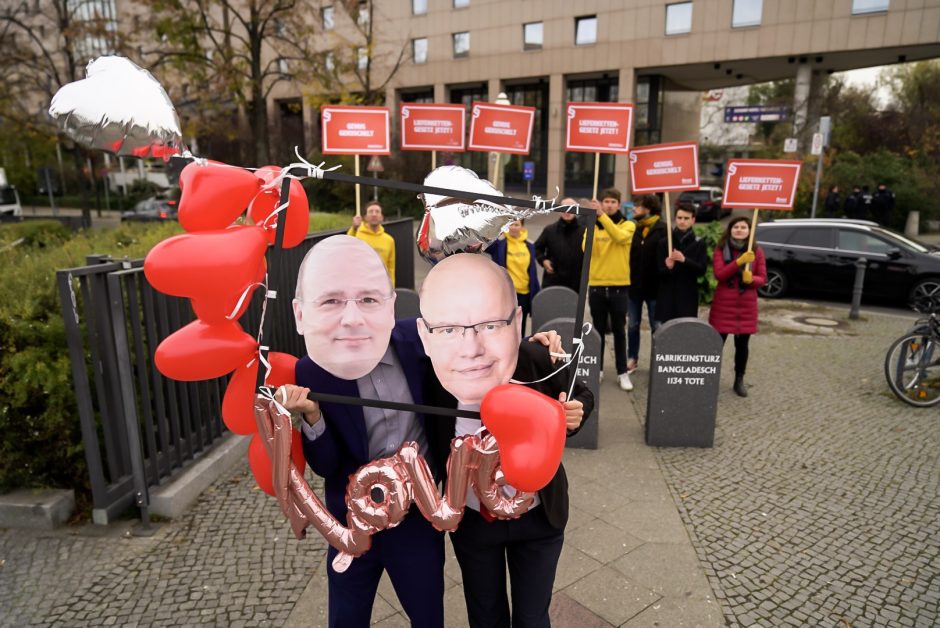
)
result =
(558, 251)
(679, 272)
(470, 330)
(853, 204)
(644, 274)
(882, 205)
(833, 201)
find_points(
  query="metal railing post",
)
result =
(860, 265)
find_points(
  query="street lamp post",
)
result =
(498, 160)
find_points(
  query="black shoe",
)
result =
(739, 387)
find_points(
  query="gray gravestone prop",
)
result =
(588, 373)
(553, 302)
(685, 366)
(406, 304)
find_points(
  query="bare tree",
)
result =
(234, 51)
(44, 45)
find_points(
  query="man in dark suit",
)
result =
(347, 319)
(470, 328)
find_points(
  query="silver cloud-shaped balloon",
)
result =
(119, 107)
(464, 224)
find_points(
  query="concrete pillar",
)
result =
(801, 98)
(440, 93)
(626, 89)
(557, 122)
(311, 127)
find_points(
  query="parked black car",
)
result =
(706, 201)
(819, 255)
(151, 210)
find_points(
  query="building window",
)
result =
(419, 50)
(459, 4)
(362, 58)
(532, 36)
(461, 44)
(283, 67)
(585, 30)
(419, 7)
(860, 7)
(746, 13)
(362, 18)
(327, 14)
(678, 18)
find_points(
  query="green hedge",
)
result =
(40, 439)
(710, 232)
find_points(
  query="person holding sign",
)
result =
(609, 278)
(644, 275)
(517, 255)
(373, 233)
(679, 272)
(740, 272)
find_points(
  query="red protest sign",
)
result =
(432, 127)
(599, 127)
(761, 183)
(501, 128)
(664, 167)
(349, 130)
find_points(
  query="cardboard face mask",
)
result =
(470, 325)
(344, 306)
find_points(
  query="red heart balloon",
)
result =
(238, 404)
(214, 194)
(530, 430)
(282, 369)
(298, 209)
(202, 351)
(218, 309)
(216, 266)
(260, 461)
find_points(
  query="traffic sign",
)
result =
(790, 145)
(528, 170)
(375, 164)
(817, 144)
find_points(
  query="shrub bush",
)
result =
(710, 232)
(40, 439)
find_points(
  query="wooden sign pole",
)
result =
(597, 170)
(433, 160)
(358, 192)
(668, 224)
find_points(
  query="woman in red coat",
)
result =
(734, 306)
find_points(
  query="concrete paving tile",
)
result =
(577, 518)
(611, 596)
(693, 612)
(572, 566)
(455, 608)
(564, 611)
(602, 541)
(670, 569)
(596, 499)
(651, 522)
(387, 592)
(451, 567)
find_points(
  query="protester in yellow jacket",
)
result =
(373, 233)
(609, 278)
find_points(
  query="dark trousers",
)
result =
(612, 302)
(635, 309)
(529, 546)
(413, 555)
(525, 302)
(740, 352)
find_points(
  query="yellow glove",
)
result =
(746, 258)
(747, 277)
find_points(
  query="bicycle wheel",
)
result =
(912, 368)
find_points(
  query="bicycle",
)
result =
(912, 365)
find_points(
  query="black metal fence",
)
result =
(139, 428)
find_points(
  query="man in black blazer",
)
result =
(470, 329)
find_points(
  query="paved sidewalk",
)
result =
(819, 505)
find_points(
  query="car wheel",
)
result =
(925, 290)
(776, 285)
